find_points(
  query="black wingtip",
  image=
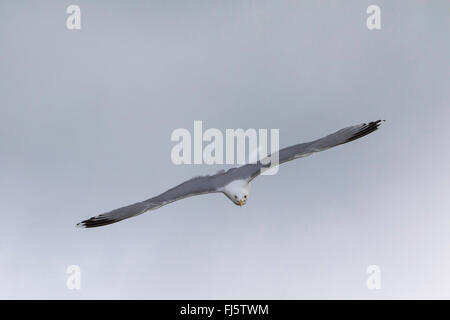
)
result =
(95, 222)
(366, 129)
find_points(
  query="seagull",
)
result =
(233, 183)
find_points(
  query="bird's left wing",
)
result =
(250, 171)
(192, 187)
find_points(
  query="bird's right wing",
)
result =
(192, 187)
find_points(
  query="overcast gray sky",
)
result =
(85, 124)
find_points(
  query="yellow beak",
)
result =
(240, 203)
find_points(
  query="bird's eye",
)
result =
(235, 197)
(245, 196)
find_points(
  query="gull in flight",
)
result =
(233, 183)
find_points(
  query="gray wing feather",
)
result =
(192, 187)
(342, 136)
(339, 137)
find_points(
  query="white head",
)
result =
(237, 191)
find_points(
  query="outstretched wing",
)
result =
(192, 187)
(304, 149)
(340, 137)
